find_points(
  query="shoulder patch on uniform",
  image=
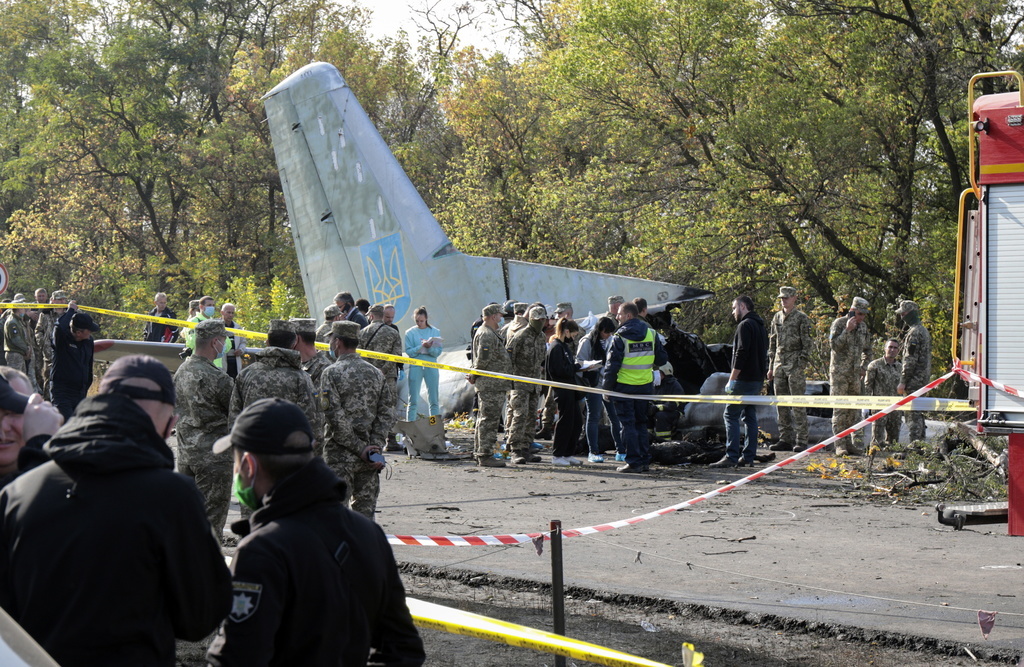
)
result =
(245, 598)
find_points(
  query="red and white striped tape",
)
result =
(498, 540)
(974, 377)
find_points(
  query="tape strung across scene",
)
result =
(846, 402)
(493, 540)
(439, 617)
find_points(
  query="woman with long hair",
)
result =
(562, 367)
(592, 348)
(422, 342)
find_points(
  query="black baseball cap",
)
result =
(82, 320)
(269, 426)
(124, 377)
(11, 400)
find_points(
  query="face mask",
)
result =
(245, 496)
(208, 311)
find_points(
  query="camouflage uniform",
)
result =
(881, 380)
(324, 331)
(489, 354)
(359, 412)
(917, 371)
(379, 337)
(316, 367)
(526, 349)
(44, 343)
(277, 372)
(204, 399)
(16, 345)
(789, 350)
(851, 351)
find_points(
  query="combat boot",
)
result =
(781, 446)
(490, 462)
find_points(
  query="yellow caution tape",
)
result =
(843, 402)
(446, 619)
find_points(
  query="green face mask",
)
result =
(245, 496)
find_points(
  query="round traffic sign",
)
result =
(4, 279)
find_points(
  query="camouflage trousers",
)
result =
(792, 421)
(547, 418)
(17, 361)
(212, 474)
(523, 404)
(915, 419)
(487, 419)
(886, 431)
(45, 387)
(363, 482)
(847, 385)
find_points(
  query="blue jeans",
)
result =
(633, 418)
(613, 419)
(594, 405)
(733, 412)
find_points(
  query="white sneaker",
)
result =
(573, 461)
(561, 461)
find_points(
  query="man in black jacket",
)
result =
(160, 333)
(72, 359)
(314, 582)
(749, 369)
(105, 552)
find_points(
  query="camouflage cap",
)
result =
(18, 298)
(562, 307)
(905, 307)
(376, 309)
(860, 303)
(59, 294)
(331, 311)
(210, 329)
(538, 313)
(193, 304)
(786, 292)
(616, 299)
(492, 309)
(303, 324)
(519, 308)
(345, 329)
(280, 325)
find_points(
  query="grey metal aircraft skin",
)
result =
(360, 225)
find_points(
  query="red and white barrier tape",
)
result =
(498, 540)
(974, 377)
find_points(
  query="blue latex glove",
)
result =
(401, 374)
(730, 386)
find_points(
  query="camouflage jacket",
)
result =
(882, 378)
(323, 332)
(316, 367)
(356, 405)
(527, 350)
(277, 373)
(917, 356)
(44, 331)
(379, 337)
(851, 350)
(789, 341)
(204, 400)
(489, 354)
(16, 334)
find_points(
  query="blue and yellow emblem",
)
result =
(384, 270)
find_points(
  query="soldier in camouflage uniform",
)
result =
(882, 378)
(331, 314)
(519, 322)
(44, 336)
(359, 411)
(789, 350)
(204, 399)
(527, 349)
(379, 337)
(277, 373)
(16, 337)
(917, 362)
(314, 361)
(489, 354)
(850, 341)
